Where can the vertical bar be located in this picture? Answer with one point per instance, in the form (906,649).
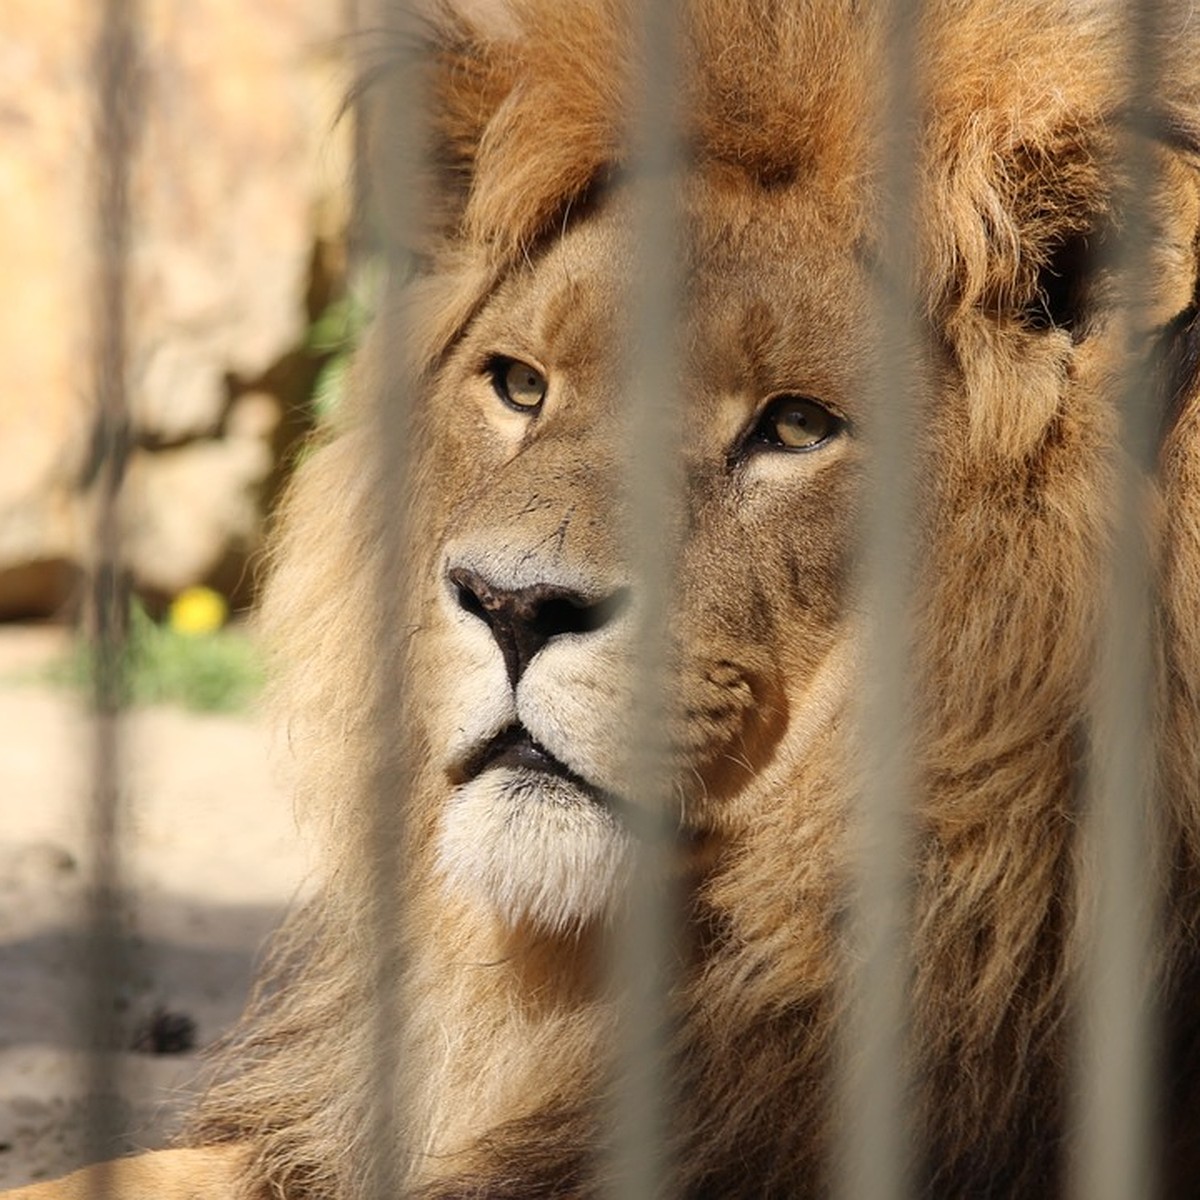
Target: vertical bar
(356,231)
(876,1152)
(116,96)
(644,953)
(1118,1043)
(396,184)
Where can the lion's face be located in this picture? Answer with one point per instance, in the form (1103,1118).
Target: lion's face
(532,610)
(516,619)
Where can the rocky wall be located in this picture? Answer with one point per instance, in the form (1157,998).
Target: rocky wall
(238,218)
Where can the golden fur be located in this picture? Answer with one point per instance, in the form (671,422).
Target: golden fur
(506,886)
(207,1173)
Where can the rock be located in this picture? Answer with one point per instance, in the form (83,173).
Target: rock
(254,415)
(42,862)
(192,507)
(235,188)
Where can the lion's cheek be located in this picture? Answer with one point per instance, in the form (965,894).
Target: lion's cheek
(577,703)
(471,703)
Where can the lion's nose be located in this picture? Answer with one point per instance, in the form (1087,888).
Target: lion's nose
(524,619)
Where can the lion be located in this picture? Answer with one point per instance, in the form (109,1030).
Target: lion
(519,610)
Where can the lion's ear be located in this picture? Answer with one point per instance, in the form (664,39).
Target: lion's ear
(471,74)
(1071,287)
(447,70)
(1179,350)
(1068,220)
(1045,264)
(1023,235)
(522,111)
(564,69)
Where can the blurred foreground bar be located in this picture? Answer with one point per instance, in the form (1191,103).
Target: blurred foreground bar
(397,110)
(876,1153)
(645,953)
(1117,1047)
(117,98)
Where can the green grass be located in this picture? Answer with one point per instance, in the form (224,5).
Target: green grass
(209,672)
(336,334)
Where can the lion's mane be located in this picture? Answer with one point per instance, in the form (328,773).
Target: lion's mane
(1021,103)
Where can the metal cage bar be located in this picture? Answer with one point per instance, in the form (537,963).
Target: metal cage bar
(117,99)
(875,1152)
(1118,1039)
(645,950)
(400,169)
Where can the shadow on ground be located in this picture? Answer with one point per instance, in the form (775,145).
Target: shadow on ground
(176,996)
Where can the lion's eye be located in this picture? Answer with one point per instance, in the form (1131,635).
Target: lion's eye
(518,384)
(796,423)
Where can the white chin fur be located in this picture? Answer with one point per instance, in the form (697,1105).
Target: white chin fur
(534,848)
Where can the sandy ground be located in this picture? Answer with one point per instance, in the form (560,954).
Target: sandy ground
(212,858)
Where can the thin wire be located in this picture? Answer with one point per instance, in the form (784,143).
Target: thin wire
(117,98)
(1118,1043)
(876,1143)
(645,953)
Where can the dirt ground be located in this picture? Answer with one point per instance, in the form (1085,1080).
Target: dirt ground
(212,858)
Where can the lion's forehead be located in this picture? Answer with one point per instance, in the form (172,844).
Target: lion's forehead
(775,297)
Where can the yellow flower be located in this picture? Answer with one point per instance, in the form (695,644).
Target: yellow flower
(197,610)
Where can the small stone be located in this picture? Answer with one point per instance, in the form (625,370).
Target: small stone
(165,1032)
(42,862)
